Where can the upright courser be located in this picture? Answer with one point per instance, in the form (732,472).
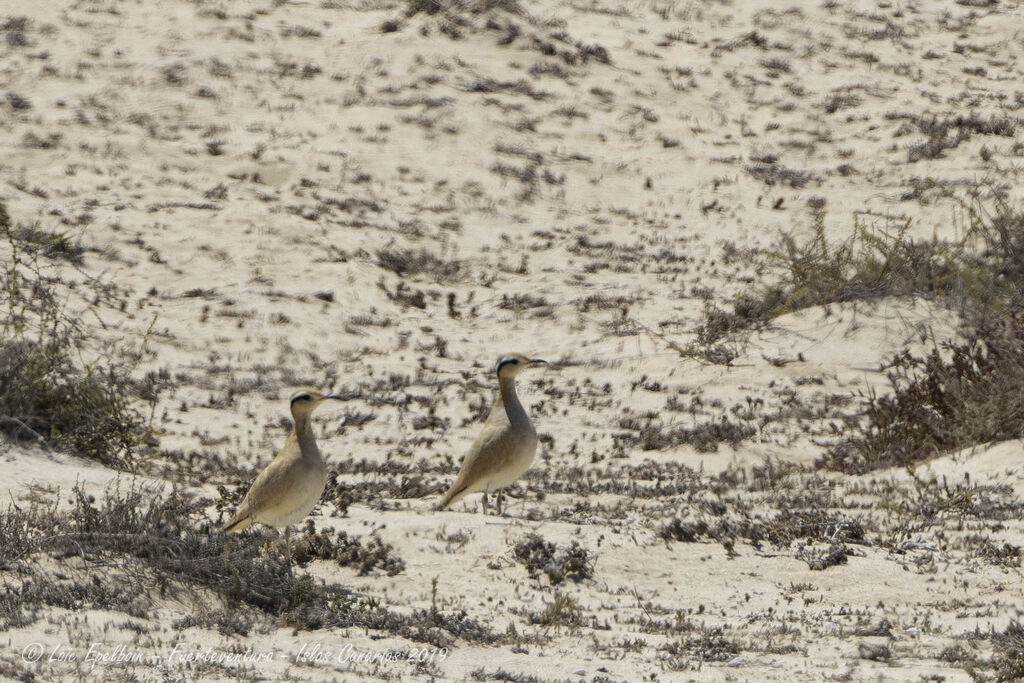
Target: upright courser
(506,445)
(291,485)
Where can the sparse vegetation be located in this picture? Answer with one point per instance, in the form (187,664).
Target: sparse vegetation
(49,392)
(404,262)
(947,132)
(869,265)
(346,551)
(978,276)
(653,434)
(1009,652)
(537,555)
(818,559)
(453,7)
(775,174)
(173,549)
(959,394)
(49,244)
(561,611)
(382,220)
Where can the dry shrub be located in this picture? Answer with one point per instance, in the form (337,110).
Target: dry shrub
(1009,652)
(459,7)
(403,262)
(347,551)
(949,131)
(537,555)
(175,549)
(958,395)
(978,275)
(704,436)
(48,393)
(870,265)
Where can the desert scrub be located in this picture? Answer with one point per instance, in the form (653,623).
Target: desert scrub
(707,644)
(54,245)
(537,555)
(561,611)
(870,265)
(48,394)
(1008,647)
(980,275)
(166,545)
(653,434)
(788,518)
(46,397)
(958,395)
(1000,234)
(454,8)
(347,551)
(1006,662)
(403,262)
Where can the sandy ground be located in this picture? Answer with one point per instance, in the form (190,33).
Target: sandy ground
(575,174)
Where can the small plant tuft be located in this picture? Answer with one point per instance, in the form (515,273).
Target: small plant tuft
(537,555)
(403,262)
(346,551)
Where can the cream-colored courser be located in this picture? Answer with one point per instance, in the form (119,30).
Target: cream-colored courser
(291,485)
(505,447)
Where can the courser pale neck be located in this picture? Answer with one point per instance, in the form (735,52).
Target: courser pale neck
(507,396)
(304,435)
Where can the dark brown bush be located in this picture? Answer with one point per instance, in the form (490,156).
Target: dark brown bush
(48,393)
(958,395)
